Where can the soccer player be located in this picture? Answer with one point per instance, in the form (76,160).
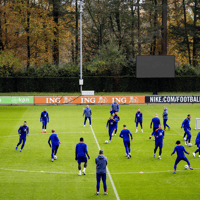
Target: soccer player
(54,145)
(101,163)
(44,118)
(110,125)
(126,134)
(159,136)
(165,118)
(88,114)
(179,149)
(197,142)
(138,119)
(156,122)
(23,132)
(187,128)
(116,119)
(114,107)
(80,155)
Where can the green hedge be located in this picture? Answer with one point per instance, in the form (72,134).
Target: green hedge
(99,84)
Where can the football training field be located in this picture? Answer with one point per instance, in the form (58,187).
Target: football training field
(32,175)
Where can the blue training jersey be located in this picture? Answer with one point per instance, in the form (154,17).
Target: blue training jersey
(116,118)
(81,150)
(54,139)
(156,122)
(44,116)
(138,117)
(180,151)
(87,112)
(115,107)
(198,138)
(110,123)
(186,124)
(125,134)
(159,135)
(165,114)
(23,130)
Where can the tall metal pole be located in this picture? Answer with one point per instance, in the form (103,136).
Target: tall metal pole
(81,60)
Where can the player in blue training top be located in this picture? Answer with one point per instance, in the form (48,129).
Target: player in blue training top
(116,119)
(44,118)
(159,136)
(110,125)
(197,142)
(126,134)
(114,107)
(179,149)
(165,118)
(80,155)
(156,122)
(88,114)
(187,128)
(138,119)
(23,132)
(55,144)
(101,163)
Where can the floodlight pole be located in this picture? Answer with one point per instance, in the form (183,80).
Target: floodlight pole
(81,60)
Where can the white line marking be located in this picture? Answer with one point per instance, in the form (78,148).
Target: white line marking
(44,134)
(115,173)
(113,185)
(18,119)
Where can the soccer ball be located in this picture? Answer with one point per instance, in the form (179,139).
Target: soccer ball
(190,144)
(106,142)
(55,157)
(186,167)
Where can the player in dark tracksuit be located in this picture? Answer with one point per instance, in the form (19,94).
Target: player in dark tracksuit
(114,107)
(126,134)
(116,119)
(197,142)
(101,163)
(156,122)
(187,128)
(44,118)
(54,144)
(165,118)
(179,149)
(88,114)
(138,119)
(110,125)
(80,155)
(159,136)
(23,132)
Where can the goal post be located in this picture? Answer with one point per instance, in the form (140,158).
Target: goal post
(197,126)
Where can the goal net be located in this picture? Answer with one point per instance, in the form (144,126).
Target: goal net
(197,123)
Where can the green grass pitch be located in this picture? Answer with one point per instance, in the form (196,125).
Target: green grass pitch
(32,175)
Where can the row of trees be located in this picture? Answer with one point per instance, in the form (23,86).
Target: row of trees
(114,31)
(36,31)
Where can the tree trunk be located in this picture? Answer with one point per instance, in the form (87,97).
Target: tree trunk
(28,36)
(1,32)
(139,43)
(56,5)
(76,32)
(164,27)
(72,45)
(186,33)
(155,28)
(195,35)
(117,15)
